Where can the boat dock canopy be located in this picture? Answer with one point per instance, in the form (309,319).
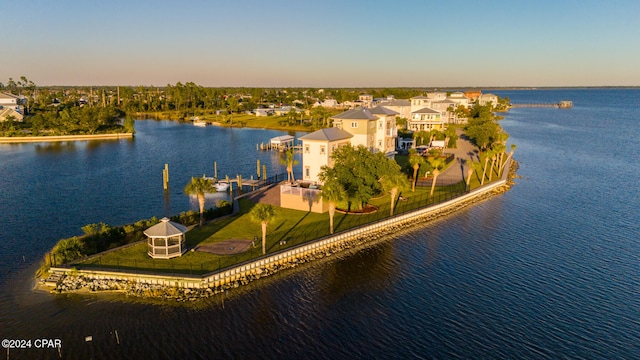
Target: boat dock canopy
(284,141)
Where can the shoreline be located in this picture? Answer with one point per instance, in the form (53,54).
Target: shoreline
(77,281)
(58,138)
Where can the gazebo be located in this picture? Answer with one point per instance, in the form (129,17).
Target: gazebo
(166,239)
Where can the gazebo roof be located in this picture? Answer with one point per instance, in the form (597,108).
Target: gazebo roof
(165,228)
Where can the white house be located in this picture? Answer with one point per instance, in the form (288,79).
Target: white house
(317,148)
(11,101)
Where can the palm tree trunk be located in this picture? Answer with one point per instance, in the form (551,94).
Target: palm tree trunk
(264,237)
(332,212)
(484,171)
(433,184)
(493,162)
(201,203)
(415,178)
(469,173)
(394,193)
(506,161)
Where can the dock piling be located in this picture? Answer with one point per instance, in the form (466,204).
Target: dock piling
(165,176)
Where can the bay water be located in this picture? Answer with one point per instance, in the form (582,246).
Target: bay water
(547,270)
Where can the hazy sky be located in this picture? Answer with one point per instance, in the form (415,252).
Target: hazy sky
(322,43)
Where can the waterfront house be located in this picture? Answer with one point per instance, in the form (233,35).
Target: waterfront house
(317,148)
(401,106)
(263,112)
(365,100)
(7,113)
(165,240)
(425,119)
(386,130)
(419,102)
(436,95)
(485,99)
(10,101)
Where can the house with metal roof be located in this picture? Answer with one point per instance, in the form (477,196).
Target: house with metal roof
(425,119)
(317,148)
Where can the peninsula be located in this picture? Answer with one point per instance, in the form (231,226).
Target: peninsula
(397,182)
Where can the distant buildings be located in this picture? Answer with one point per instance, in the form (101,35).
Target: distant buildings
(11,106)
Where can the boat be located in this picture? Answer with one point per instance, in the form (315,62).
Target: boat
(198,122)
(221,186)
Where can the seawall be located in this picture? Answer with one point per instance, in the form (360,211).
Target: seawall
(24,139)
(183,287)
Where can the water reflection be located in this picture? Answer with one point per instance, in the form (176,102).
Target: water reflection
(56,147)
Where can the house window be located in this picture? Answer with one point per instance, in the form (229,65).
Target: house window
(354,124)
(307,172)
(322,150)
(379,143)
(380,125)
(306,149)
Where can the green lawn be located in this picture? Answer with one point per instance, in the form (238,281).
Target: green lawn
(289,228)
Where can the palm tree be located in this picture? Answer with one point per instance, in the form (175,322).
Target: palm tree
(513,148)
(199,186)
(263,213)
(290,161)
(416,161)
(394,184)
(486,156)
(436,163)
(470,168)
(493,162)
(333,192)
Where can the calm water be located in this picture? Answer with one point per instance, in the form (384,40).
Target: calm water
(550,269)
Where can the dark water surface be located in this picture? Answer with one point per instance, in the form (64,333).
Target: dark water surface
(548,270)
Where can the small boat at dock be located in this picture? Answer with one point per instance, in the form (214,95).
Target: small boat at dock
(221,186)
(197,122)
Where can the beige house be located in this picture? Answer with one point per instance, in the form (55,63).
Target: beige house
(386,130)
(485,99)
(401,106)
(360,123)
(419,102)
(6,113)
(437,95)
(426,119)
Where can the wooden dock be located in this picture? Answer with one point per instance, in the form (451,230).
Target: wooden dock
(564,104)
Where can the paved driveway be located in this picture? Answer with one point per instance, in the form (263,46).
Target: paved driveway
(464,152)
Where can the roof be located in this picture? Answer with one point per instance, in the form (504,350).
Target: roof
(4,95)
(165,228)
(399,102)
(419,97)
(356,114)
(6,112)
(381,110)
(328,134)
(281,139)
(426,111)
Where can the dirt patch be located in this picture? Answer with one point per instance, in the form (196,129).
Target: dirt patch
(368,209)
(226,247)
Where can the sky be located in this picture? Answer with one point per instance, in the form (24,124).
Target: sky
(281,43)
